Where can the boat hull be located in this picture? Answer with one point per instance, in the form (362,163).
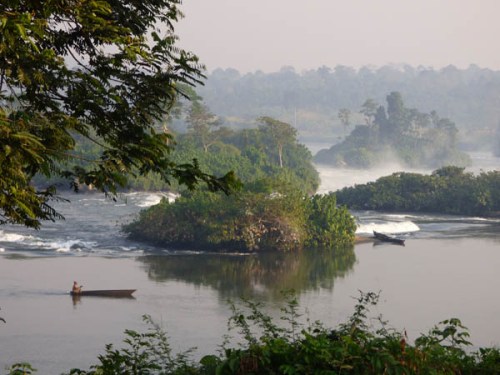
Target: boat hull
(386,238)
(117,293)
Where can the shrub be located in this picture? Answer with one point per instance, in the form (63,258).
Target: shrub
(303,347)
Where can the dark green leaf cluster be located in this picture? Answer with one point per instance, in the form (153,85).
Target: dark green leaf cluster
(102,70)
(354,347)
(448,190)
(265,216)
(293,347)
(22,368)
(145,353)
(271,149)
(271,214)
(268,151)
(400,134)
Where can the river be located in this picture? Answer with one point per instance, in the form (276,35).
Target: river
(448,268)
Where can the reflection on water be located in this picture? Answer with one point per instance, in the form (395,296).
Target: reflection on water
(77,299)
(263,275)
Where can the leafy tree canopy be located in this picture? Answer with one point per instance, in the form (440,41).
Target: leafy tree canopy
(448,190)
(280,132)
(104,70)
(252,220)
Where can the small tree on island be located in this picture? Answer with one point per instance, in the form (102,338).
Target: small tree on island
(203,125)
(280,133)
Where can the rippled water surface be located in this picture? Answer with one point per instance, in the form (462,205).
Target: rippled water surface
(448,268)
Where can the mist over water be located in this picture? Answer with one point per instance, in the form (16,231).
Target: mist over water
(333,179)
(408,225)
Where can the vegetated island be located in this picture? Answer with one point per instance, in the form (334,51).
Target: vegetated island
(274,211)
(448,190)
(413,138)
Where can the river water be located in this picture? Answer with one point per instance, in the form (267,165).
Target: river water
(448,268)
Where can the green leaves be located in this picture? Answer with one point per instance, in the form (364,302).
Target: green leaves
(447,190)
(283,219)
(265,347)
(352,348)
(22,368)
(89,68)
(329,225)
(144,353)
(280,133)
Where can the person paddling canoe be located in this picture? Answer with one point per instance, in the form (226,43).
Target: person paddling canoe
(77,289)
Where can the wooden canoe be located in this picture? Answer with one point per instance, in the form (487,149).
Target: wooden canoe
(105,293)
(386,238)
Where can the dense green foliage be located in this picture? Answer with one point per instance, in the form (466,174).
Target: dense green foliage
(447,190)
(294,347)
(265,216)
(400,134)
(100,70)
(274,212)
(270,150)
(312,99)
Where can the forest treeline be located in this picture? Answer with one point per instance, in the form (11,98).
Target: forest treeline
(310,100)
(448,190)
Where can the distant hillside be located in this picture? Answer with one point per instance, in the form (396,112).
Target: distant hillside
(311,100)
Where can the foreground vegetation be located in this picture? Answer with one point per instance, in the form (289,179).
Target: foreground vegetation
(448,190)
(292,347)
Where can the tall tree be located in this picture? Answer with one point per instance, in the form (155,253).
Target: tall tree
(344,116)
(281,134)
(204,125)
(105,70)
(380,118)
(397,117)
(395,107)
(369,110)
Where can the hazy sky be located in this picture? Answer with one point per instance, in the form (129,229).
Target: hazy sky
(267,34)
